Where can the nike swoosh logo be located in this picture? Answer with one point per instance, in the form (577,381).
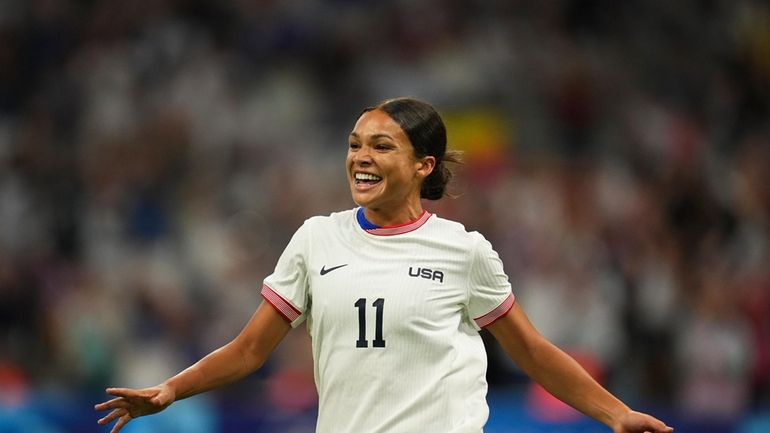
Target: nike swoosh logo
(325,271)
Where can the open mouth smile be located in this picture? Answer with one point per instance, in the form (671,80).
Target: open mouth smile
(366,180)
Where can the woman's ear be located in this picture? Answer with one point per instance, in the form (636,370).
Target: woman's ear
(426,166)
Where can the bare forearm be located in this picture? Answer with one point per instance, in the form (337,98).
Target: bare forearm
(556,371)
(240,357)
(221,367)
(563,377)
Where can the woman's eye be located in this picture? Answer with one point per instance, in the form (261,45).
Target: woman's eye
(354,145)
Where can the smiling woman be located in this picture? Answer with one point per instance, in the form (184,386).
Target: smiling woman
(393,298)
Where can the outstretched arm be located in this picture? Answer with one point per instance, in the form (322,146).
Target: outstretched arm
(563,377)
(238,358)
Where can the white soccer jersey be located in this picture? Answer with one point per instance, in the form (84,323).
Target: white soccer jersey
(393,314)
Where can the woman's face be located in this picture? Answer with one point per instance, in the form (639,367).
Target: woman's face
(383,172)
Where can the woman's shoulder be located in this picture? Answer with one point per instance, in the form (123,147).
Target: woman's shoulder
(455,229)
(332,219)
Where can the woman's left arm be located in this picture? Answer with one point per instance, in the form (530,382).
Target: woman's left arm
(563,377)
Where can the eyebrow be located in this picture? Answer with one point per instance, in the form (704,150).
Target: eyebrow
(374,136)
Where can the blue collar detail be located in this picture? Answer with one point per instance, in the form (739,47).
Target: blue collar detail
(363,222)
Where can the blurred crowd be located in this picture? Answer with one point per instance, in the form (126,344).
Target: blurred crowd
(156,156)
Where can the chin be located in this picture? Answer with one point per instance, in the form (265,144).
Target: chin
(361,201)
(357,199)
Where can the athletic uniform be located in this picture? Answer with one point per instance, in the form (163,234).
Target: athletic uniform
(393,314)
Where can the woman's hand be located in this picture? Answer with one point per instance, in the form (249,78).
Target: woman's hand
(637,422)
(133,403)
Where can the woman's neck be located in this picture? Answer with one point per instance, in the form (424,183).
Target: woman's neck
(386,218)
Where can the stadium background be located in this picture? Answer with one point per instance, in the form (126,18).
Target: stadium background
(156,155)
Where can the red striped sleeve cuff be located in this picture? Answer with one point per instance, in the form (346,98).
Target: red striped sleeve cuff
(284,308)
(499,311)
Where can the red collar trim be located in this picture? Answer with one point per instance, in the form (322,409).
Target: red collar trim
(401,228)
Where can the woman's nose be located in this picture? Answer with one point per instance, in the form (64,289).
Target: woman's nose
(362,156)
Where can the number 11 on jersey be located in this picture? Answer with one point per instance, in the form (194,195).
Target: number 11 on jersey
(379,305)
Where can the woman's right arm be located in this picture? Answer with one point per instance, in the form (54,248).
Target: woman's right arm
(233,361)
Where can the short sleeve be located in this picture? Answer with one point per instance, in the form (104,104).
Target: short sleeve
(286,289)
(489,292)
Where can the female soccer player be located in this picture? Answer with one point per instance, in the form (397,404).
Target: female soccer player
(393,298)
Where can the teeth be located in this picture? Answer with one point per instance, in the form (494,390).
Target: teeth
(367,176)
